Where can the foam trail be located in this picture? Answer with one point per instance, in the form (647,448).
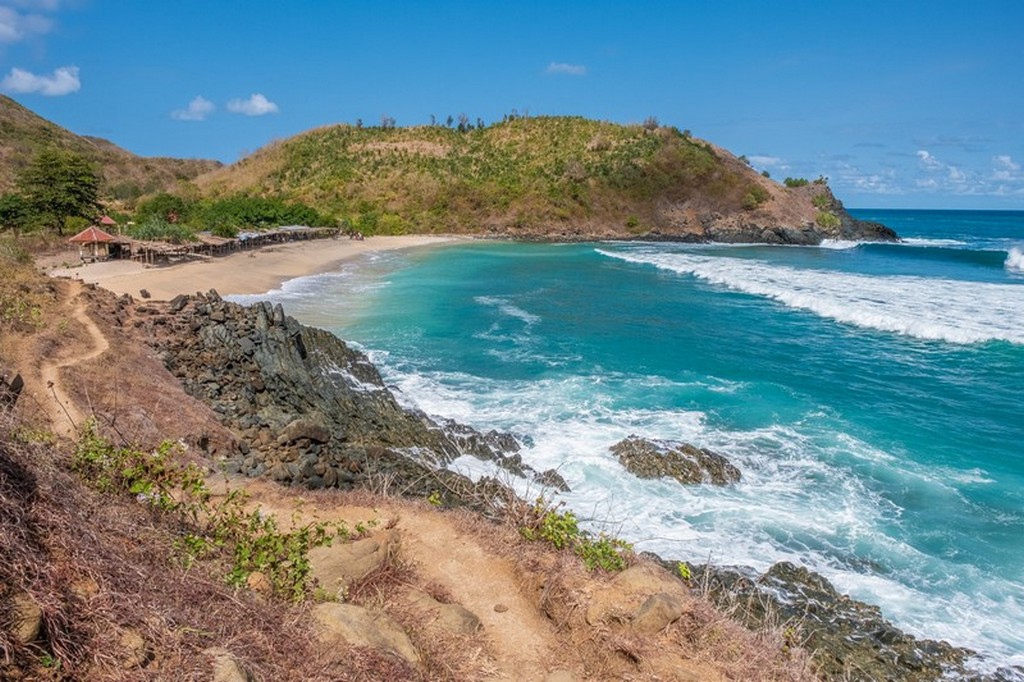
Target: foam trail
(922,241)
(955,311)
(508,309)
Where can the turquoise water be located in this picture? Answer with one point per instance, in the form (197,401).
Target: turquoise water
(871,395)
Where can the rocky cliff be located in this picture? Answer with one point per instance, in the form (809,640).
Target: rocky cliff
(309,409)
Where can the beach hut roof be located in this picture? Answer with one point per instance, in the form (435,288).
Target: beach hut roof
(92,234)
(107,220)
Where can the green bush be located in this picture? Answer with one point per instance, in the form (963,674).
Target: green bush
(756,196)
(795,182)
(562,530)
(251,541)
(821,201)
(158,229)
(827,220)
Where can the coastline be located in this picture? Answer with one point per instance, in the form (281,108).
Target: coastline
(244,272)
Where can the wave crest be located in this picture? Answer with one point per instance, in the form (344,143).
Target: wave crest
(954,311)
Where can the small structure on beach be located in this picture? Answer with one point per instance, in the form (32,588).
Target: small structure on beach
(93,237)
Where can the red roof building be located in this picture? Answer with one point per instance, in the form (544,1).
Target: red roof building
(94,236)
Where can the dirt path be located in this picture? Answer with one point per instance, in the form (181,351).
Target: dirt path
(65,416)
(522,641)
(521,638)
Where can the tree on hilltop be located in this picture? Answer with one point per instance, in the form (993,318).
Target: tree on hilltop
(58,185)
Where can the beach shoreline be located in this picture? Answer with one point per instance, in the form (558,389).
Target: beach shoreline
(244,272)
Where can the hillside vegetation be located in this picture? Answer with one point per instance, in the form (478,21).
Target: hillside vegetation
(125,176)
(545,177)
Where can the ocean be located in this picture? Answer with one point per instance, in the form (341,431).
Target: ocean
(871,395)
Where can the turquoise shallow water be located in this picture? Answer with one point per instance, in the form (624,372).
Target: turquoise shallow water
(871,395)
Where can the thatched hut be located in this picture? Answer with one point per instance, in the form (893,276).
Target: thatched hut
(96,239)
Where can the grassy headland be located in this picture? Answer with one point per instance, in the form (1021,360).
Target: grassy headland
(545,177)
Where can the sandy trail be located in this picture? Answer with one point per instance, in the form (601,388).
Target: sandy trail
(65,416)
(521,638)
(522,641)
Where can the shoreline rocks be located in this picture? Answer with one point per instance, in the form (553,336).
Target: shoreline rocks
(648,458)
(309,409)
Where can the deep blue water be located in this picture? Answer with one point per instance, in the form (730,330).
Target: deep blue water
(871,395)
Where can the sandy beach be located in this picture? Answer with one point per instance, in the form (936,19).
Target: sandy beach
(245,272)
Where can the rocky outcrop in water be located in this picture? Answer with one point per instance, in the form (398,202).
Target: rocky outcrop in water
(308,408)
(648,458)
(851,640)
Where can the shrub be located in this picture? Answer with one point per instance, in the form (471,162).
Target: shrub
(756,196)
(252,541)
(562,530)
(158,229)
(821,201)
(795,182)
(827,220)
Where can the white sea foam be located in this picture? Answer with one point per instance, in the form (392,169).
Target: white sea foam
(838,244)
(1015,260)
(955,311)
(922,241)
(505,307)
(805,495)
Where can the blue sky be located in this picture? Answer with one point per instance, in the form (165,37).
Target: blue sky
(900,103)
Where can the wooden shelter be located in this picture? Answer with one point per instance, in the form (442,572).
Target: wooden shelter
(93,237)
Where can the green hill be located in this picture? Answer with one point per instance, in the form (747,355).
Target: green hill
(545,177)
(125,176)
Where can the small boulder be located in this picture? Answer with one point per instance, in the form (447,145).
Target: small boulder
(27,619)
(338,566)
(134,651)
(304,428)
(227,668)
(357,626)
(658,612)
(620,600)
(647,458)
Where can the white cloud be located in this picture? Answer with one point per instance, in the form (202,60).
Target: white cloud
(929,161)
(63,81)
(197,110)
(256,105)
(15,26)
(957,178)
(563,69)
(1005,168)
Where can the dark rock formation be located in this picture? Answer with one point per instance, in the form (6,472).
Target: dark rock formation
(308,408)
(647,458)
(850,639)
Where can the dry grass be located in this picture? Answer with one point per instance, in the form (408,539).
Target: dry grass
(100,567)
